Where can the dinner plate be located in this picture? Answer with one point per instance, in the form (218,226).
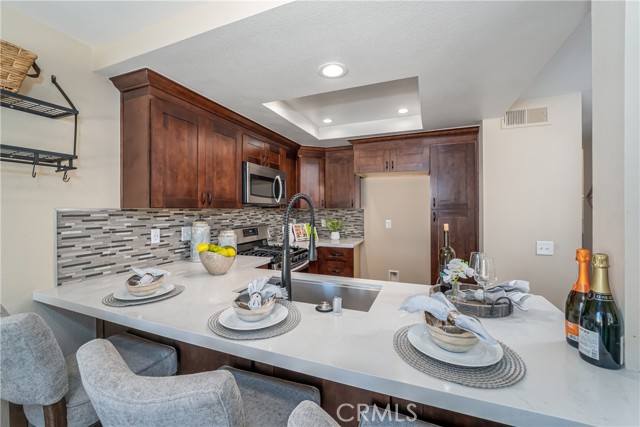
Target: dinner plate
(480,355)
(229,319)
(124,295)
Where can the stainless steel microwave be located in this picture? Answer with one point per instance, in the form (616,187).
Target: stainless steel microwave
(263,186)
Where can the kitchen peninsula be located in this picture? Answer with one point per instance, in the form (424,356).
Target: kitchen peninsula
(356,348)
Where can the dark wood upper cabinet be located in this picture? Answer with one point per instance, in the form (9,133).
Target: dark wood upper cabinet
(289,166)
(255,150)
(397,156)
(175,138)
(341,184)
(311,175)
(220,180)
(454,182)
(180,149)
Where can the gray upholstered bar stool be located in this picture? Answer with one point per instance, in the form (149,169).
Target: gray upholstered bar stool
(35,374)
(214,398)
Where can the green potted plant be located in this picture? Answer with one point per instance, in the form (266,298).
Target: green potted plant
(334,225)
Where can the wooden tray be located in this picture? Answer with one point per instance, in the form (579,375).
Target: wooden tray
(479,308)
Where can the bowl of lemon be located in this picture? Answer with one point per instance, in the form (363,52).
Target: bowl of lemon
(217,260)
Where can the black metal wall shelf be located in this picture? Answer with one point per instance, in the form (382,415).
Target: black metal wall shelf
(63,162)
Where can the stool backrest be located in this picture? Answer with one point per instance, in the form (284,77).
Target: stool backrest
(121,397)
(32,367)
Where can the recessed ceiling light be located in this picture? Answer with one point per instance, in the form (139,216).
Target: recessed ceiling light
(403,111)
(332,70)
(327,121)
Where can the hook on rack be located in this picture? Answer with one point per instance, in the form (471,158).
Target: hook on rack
(65,177)
(33,171)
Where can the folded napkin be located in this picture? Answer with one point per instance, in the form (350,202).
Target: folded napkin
(148,275)
(439,306)
(516,290)
(259,290)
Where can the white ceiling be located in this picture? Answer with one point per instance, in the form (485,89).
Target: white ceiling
(472,60)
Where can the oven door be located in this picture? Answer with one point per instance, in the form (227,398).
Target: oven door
(263,186)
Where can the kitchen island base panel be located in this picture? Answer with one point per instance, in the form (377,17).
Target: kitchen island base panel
(335,396)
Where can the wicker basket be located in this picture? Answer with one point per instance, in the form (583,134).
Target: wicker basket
(16,62)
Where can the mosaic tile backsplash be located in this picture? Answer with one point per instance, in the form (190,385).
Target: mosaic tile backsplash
(93,243)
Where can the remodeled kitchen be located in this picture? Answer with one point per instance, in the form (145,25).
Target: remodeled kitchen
(380,222)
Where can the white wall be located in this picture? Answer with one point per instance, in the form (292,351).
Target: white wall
(532,188)
(27,204)
(616,204)
(406,246)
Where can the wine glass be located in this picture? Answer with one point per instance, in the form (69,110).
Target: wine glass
(485,273)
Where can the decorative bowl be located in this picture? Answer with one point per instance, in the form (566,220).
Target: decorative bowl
(216,264)
(448,336)
(140,290)
(241,307)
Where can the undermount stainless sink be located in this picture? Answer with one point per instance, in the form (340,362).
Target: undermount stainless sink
(354,297)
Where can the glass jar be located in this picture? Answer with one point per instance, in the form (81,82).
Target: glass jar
(200,233)
(228,238)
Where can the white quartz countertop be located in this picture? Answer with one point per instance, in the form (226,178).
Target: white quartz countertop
(356,348)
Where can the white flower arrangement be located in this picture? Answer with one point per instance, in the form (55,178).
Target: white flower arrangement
(456,269)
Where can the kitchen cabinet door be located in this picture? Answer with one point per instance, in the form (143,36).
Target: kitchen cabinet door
(454,174)
(463,234)
(311,170)
(260,152)
(289,166)
(340,180)
(219,182)
(175,135)
(396,156)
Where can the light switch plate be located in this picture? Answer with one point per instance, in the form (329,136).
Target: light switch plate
(387,223)
(155,235)
(544,247)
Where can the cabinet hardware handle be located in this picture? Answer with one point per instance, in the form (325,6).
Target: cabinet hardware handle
(434,217)
(386,165)
(336,271)
(434,202)
(351,202)
(392,165)
(209,196)
(204,197)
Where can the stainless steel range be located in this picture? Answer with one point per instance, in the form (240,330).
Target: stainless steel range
(253,241)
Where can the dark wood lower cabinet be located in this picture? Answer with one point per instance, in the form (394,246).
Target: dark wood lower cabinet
(337,399)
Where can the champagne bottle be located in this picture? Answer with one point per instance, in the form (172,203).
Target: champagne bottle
(445,255)
(576,298)
(601,332)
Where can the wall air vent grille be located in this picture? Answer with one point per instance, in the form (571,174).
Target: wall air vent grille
(525,117)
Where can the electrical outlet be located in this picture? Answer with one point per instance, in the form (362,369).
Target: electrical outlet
(387,223)
(155,235)
(544,248)
(394,275)
(323,222)
(186,234)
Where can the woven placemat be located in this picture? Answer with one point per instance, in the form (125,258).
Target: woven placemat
(112,301)
(290,322)
(508,371)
